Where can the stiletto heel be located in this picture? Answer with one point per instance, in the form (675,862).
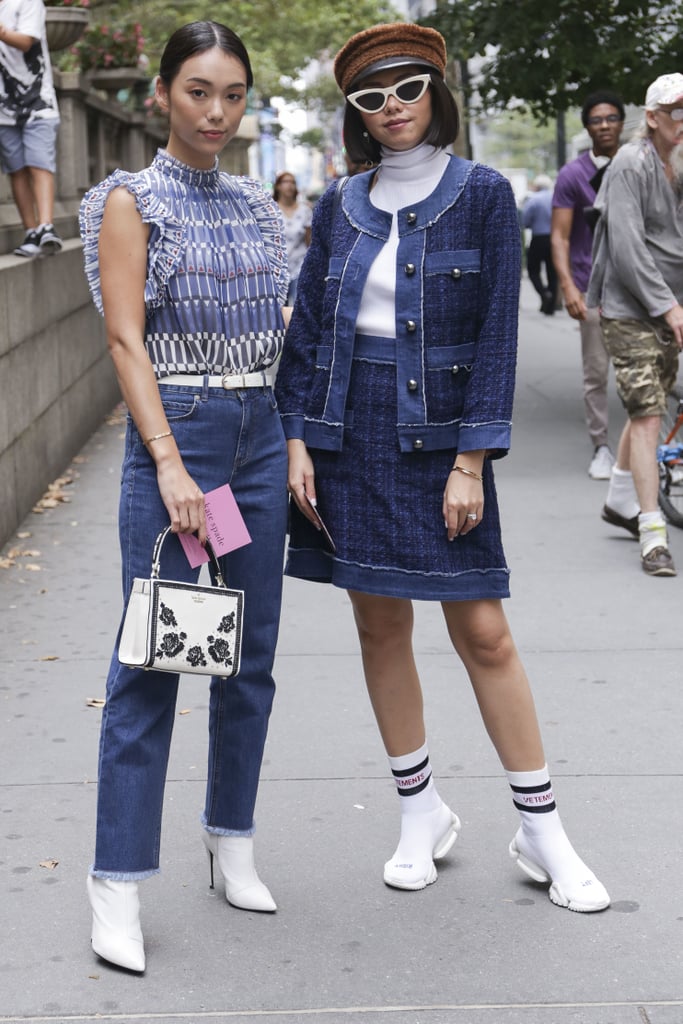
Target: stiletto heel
(210,856)
(234,856)
(116,933)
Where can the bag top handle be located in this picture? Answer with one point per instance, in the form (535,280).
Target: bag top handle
(156,558)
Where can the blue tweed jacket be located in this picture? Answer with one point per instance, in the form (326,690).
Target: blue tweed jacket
(457,294)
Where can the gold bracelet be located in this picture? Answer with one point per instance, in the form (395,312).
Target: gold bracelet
(157,437)
(467,472)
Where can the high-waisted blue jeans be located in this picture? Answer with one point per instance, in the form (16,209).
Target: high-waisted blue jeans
(224,437)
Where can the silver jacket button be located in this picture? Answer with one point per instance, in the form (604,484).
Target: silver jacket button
(411,218)
(456,273)
(417,444)
(412,385)
(411,326)
(409,269)
(454,369)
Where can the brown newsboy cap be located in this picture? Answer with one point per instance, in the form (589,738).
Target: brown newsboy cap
(388,46)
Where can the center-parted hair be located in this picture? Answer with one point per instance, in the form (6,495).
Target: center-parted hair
(198,37)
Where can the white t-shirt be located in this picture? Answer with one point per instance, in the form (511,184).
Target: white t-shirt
(26,89)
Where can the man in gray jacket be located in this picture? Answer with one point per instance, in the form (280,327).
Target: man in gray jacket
(637,280)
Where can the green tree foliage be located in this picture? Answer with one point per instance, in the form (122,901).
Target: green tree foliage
(281,37)
(512,138)
(549,54)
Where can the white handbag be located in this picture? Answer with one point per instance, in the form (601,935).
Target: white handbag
(172,626)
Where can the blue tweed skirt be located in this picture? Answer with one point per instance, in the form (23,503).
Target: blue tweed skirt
(383,510)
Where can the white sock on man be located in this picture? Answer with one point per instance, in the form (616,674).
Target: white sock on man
(621,493)
(652,531)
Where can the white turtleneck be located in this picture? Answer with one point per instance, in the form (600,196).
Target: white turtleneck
(402,179)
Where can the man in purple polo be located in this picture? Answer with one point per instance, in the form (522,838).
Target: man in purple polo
(572,242)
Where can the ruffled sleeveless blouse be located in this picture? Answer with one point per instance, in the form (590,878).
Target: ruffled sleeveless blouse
(216,268)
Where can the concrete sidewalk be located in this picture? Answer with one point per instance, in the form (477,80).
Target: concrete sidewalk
(601,642)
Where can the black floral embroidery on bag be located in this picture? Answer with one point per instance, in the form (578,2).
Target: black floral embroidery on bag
(195,657)
(227,623)
(166,616)
(220,650)
(171,645)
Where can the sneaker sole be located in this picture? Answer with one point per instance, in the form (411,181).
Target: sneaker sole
(662,571)
(537,874)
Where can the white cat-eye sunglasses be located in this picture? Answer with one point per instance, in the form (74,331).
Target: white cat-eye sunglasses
(371,101)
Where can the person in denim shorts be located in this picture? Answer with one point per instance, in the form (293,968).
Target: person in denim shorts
(29,121)
(637,281)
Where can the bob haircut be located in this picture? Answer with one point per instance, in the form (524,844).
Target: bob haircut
(198,37)
(278,182)
(443,129)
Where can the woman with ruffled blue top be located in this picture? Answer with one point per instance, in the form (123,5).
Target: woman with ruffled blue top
(189,267)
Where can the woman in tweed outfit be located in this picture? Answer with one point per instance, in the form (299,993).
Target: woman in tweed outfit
(395,390)
(188,265)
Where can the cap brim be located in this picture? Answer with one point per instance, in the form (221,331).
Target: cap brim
(390,62)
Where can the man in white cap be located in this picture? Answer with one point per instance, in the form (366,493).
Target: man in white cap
(637,280)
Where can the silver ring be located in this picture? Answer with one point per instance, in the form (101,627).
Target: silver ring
(471,515)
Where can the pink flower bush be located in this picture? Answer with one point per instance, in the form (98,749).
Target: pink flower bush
(104,46)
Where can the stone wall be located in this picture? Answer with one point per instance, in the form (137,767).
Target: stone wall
(57,381)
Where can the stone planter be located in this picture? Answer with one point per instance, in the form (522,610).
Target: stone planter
(64,26)
(111,80)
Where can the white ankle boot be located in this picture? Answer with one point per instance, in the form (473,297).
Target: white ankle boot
(424,838)
(116,932)
(235,858)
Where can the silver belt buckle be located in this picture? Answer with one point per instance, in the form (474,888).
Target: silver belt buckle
(232,380)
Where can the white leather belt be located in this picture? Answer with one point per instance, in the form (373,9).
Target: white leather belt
(229,381)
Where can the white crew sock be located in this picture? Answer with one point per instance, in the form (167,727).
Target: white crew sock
(621,494)
(543,839)
(652,531)
(413,777)
(428,827)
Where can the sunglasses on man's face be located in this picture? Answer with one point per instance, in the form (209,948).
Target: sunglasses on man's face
(371,101)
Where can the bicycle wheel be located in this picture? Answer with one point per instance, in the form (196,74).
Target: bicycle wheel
(670,459)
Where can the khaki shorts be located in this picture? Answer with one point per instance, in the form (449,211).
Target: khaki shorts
(645,359)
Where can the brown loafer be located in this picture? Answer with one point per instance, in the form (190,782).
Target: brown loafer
(658,562)
(615,519)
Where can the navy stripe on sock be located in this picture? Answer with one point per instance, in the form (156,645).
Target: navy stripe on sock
(531,789)
(403,772)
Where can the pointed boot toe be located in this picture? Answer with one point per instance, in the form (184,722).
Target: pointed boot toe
(234,856)
(116,933)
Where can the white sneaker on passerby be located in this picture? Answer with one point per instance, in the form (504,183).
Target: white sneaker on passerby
(601,463)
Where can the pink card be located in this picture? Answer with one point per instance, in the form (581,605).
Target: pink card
(225,527)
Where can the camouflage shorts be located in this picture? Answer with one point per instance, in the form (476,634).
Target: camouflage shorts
(645,359)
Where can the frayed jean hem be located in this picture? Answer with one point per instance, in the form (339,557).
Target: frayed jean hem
(213,830)
(123,876)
